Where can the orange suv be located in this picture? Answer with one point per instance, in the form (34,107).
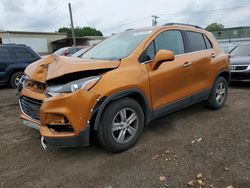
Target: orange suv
(122,84)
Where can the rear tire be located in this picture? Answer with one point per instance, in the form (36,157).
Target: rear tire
(218,95)
(14,79)
(121,125)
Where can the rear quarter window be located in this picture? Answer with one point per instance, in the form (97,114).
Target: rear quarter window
(23,53)
(5,53)
(196,41)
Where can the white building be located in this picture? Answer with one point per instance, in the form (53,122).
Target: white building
(45,42)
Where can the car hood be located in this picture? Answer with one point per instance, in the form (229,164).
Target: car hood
(240,60)
(54,66)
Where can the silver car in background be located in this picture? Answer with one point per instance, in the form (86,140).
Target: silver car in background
(240,63)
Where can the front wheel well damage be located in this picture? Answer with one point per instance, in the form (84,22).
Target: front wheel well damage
(142,102)
(224,74)
(105,101)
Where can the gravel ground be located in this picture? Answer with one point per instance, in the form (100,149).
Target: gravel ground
(173,151)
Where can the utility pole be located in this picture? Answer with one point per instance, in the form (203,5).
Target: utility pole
(72,26)
(154,20)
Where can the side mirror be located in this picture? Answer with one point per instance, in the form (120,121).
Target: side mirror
(162,56)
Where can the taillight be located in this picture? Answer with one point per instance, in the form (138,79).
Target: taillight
(66,53)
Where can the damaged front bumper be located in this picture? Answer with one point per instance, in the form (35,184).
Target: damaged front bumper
(80,140)
(31,125)
(64,120)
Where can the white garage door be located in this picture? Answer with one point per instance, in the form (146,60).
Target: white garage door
(37,44)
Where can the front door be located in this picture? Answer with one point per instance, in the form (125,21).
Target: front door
(171,82)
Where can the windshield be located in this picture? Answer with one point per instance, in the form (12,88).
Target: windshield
(241,50)
(117,46)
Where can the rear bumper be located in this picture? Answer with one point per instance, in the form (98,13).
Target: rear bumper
(3,82)
(240,76)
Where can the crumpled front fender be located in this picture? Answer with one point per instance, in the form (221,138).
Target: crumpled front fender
(76,107)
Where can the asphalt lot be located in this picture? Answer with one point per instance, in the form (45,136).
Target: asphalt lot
(215,145)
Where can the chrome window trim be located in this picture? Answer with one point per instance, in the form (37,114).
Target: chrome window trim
(188,53)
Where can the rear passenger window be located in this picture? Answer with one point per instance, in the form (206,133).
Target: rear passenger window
(22,53)
(196,41)
(4,53)
(208,43)
(170,40)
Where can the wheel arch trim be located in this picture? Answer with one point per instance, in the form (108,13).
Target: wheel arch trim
(146,108)
(224,71)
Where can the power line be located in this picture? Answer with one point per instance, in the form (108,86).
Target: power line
(127,23)
(212,11)
(206,11)
(239,21)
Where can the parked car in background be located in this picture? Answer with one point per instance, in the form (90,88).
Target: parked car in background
(122,84)
(14,58)
(227,49)
(240,63)
(81,52)
(68,51)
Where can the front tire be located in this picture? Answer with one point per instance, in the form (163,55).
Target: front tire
(121,125)
(14,79)
(218,94)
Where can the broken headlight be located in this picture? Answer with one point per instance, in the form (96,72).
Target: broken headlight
(22,83)
(85,84)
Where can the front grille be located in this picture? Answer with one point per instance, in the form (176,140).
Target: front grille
(240,76)
(30,107)
(239,68)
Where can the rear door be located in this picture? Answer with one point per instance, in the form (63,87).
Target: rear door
(200,54)
(23,56)
(7,60)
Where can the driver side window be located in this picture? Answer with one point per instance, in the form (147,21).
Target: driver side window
(168,40)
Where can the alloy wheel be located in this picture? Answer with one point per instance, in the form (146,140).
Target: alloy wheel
(18,79)
(220,92)
(124,125)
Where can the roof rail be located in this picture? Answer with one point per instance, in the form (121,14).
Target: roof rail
(129,29)
(167,24)
(14,44)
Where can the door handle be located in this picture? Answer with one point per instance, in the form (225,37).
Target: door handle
(213,55)
(187,64)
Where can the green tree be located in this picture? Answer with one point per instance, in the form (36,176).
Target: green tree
(214,27)
(81,31)
(64,30)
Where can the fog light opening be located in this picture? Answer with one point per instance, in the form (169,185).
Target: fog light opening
(61,128)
